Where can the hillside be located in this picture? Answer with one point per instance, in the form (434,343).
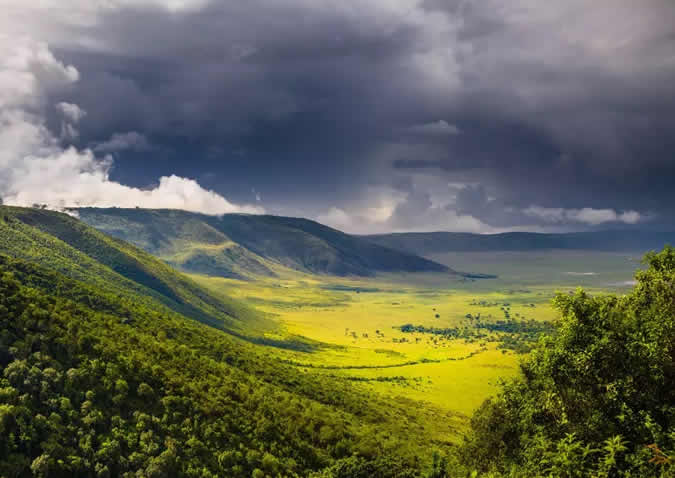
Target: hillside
(66,245)
(425,243)
(239,245)
(94,382)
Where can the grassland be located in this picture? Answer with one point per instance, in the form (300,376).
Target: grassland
(357,320)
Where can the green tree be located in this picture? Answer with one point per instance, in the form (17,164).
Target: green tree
(596,393)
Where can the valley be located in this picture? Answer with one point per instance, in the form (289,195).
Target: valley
(311,283)
(358,320)
(320,354)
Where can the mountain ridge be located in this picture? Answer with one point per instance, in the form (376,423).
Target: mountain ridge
(424,243)
(242,245)
(66,245)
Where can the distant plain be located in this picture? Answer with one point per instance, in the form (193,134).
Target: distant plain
(356,321)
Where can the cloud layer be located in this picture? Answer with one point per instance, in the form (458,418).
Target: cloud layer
(376,114)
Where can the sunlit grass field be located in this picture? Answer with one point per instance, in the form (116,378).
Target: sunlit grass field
(355,321)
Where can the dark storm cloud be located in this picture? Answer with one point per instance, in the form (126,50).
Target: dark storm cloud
(567,106)
(303,99)
(227,68)
(573,120)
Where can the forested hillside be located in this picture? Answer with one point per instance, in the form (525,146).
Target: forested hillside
(101,376)
(65,244)
(92,384)
(240,245)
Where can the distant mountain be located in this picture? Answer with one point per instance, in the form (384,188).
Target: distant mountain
(424,243)
(241,245)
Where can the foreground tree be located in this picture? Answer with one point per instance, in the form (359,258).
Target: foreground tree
(595,399)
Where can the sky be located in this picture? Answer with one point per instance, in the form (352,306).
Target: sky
(370,116)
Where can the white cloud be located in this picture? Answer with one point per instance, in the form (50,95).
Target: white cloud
(123,141)
(69,132)
(592,216)
(437,128)
(71,112)
(550,214)
(630,217)
(28,72)
(389,210)
(35,168)
(171,5)
(434,219)
(585,215)
(337,218)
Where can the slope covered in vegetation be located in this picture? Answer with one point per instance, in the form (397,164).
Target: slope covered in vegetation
(239,245)
(93,384)
(104,376)
(67,245)
(103,373)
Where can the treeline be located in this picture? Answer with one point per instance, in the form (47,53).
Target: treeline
(505,326)
(103,380)
(518,335)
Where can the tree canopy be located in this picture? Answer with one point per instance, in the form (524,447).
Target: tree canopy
(598,397)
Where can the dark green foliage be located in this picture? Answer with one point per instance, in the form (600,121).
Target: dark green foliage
(355,467)
(101,375)
(84,392)
(519,336)
(598,398)
(299,244)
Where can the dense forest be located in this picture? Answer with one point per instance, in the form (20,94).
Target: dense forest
(132,371)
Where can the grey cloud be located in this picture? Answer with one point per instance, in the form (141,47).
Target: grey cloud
(123,141)
(567,105)
(586,215)
(476,201)
(435,128)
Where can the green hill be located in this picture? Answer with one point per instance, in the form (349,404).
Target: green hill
(66,245)
(239,245)
(425,243)
(103,376)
